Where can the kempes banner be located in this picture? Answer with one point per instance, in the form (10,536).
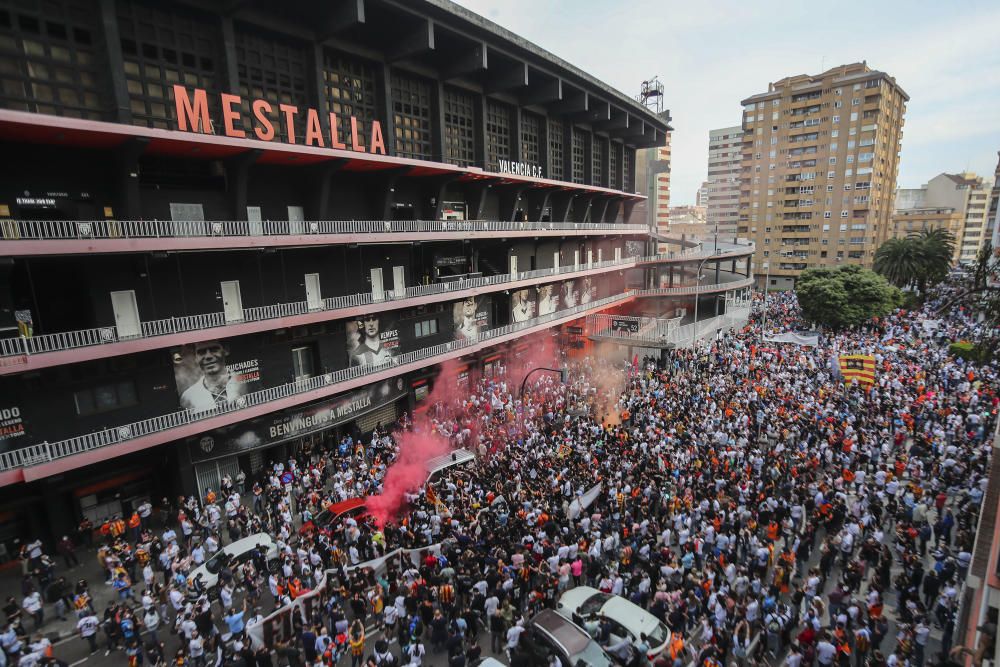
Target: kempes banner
(373,339)
(522,305)
(268,431)
(471,316)
(208,374)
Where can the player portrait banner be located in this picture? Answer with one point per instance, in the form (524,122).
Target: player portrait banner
(548,298)
(522,305)
(372,340)
(211,373)
(471,316)
(860,367)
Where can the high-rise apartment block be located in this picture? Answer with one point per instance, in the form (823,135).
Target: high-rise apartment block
(993,214)
(956,202)
(701,197)
(819,164)
(725,148)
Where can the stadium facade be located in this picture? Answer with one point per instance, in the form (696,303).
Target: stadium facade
(228,232)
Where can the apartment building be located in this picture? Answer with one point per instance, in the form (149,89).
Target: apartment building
(229,235)
(818,170)
(966,194)
(725,151)
(927,218)
(701,197)
(689,222)
(993,214)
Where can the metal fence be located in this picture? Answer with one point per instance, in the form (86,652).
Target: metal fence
(16,230)
(44,452)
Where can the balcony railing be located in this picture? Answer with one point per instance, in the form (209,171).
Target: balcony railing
(17,230)
(695,289)
(43,452)
(16,350)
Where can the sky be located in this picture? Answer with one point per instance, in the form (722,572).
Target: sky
(709,56)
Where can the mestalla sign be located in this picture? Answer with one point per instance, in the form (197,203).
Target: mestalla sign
(298,125)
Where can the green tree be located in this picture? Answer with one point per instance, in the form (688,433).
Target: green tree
(845,296)
(919,261)
(979,290)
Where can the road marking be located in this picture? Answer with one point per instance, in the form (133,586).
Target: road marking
(74,664)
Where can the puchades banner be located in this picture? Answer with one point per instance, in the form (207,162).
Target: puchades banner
(278,626)
(212,373)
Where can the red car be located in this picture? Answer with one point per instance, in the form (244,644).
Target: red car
(334,511)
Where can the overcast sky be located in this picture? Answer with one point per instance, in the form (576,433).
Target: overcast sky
(709,56)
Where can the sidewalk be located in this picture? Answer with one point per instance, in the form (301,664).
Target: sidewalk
(53,628)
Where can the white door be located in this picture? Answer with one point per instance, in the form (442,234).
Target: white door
(378,292)
(314,298)
(126,314)
(576,259)
(398,282)
(555,259)
(232,302)
(590,257)
(209,475)
(255,221)
(513,264)
(296,220)
(600,255)
(618,254)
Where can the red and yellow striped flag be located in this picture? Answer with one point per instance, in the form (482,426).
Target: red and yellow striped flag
(860,367)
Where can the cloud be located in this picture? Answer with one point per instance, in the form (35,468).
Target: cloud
(709,57)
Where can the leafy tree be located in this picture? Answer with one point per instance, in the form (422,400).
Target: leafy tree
(979,289)
(845,296)
(920,260)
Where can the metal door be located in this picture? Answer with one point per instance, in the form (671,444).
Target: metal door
(513,264)
(209,475)
(398,282)
(126,314)
(232,302)
(314,298)
(296,220)
(378,292)
(254,220)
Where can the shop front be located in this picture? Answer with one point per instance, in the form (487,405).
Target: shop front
(255,444)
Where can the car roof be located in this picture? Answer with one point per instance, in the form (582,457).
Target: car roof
(346,505)
(445,461)
(571,638)
(576,596)
(248,543)
(633,617)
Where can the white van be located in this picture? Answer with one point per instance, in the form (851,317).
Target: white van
(239,551)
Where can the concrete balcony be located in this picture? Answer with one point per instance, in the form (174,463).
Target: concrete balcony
(68,237)
(42,351)
(51,458)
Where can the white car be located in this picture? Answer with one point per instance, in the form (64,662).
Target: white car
(239,551)
(586,606)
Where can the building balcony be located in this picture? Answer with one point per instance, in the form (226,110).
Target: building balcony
(66,237)
(42,351)
(45,459)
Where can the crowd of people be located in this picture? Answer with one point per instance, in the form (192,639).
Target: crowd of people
(756,504)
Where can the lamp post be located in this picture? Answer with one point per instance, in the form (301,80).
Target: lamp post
(698,276)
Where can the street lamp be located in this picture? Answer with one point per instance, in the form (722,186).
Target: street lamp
(698,277)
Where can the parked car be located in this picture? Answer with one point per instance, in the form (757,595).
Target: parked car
(233,554)
(584,605)
(549,634)
(331,513)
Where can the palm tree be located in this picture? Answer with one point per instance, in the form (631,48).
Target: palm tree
(937,247)
(920,260)
(899,260)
